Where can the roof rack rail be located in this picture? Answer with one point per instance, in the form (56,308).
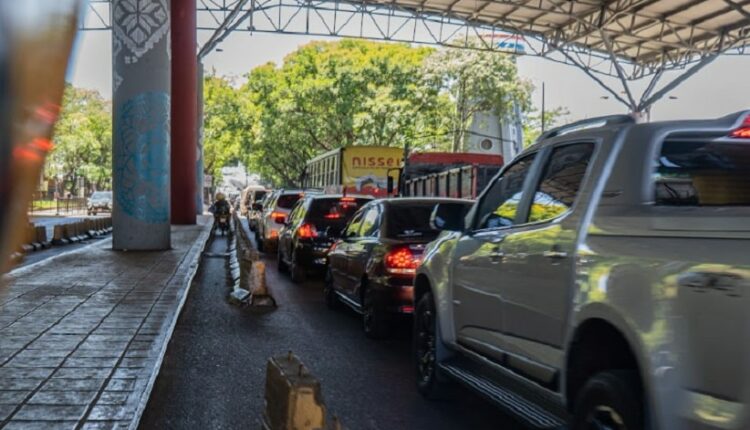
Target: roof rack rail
(601,121)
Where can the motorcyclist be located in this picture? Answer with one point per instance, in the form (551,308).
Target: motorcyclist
(219,207)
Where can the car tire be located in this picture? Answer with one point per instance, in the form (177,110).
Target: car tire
(280,264)
(296,271)
(611,399)
(429,351)
(375,322)
(329,292)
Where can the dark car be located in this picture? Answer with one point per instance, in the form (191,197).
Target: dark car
(371,269)
(314,224)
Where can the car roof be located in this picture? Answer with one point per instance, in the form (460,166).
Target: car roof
(316,196)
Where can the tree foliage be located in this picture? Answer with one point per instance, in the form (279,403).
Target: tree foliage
(327,95)
(82,140)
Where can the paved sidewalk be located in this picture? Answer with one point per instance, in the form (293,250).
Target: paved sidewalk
(82,334)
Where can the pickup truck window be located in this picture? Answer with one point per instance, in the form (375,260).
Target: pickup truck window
(499,206)
(703,173)
(560,182)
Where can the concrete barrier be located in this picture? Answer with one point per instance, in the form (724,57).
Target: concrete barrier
(40,233)
(58,235)
(293,398)
(251,287)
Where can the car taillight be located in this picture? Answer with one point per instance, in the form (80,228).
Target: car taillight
(401,261)
(278,217)
(332,216)
(307,231)
(744,131)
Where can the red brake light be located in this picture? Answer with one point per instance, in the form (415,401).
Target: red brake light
(332,216)
(744,131)
(307,231)
(347,199)
(401,261)
(278,217)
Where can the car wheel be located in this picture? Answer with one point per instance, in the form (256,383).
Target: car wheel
(374,321)
(428,350)
(610,400)
(297,272)
(280,264)
(332,301)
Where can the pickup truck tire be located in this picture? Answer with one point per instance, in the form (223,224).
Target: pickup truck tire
(610,400)
(429,350)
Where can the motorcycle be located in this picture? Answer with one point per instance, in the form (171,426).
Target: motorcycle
(222,223)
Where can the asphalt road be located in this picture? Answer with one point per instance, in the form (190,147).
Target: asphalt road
(214,371)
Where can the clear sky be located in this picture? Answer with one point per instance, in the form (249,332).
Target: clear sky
(720,88)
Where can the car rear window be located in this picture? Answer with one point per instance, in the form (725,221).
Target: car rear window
(413,220)
(703,173)
(258,195)
(335,210)
(286,201)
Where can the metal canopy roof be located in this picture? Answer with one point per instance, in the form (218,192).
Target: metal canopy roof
(627,39)
(646,32)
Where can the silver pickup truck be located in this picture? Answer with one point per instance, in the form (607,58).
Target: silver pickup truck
(601,280)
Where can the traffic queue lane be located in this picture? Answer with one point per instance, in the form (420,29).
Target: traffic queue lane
(214,373)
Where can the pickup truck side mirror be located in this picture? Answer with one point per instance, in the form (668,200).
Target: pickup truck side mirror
(448,217)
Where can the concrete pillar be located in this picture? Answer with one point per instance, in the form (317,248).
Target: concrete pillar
(199,164)
(184,111)
(141,112)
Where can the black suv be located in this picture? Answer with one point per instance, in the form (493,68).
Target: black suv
(313,225)
(372,268)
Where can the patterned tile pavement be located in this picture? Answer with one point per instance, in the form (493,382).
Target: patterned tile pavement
(82,334)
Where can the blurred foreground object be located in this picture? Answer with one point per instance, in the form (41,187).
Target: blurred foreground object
(36,38)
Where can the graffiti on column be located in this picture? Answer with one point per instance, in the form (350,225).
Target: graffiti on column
(142,170)
(139,25)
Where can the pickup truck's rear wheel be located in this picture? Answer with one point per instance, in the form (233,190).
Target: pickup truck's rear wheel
(611,400)
(428,350)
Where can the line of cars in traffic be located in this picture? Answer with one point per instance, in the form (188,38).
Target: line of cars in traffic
(598,282)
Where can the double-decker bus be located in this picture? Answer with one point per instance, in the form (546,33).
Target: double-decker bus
(355,170)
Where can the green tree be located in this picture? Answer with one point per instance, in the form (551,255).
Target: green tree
(227,125)
(332,94)
(82,140)
(477,81)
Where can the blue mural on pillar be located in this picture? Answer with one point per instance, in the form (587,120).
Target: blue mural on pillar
(141,157)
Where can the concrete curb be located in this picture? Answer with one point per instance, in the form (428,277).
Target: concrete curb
(200,245)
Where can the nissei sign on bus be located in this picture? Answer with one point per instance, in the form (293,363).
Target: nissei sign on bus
(366,168)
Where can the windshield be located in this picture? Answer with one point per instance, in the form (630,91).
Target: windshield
(102,195)
(413,220)
(703,173)
(258,196)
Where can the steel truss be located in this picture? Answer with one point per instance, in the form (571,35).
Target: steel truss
(603,40)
